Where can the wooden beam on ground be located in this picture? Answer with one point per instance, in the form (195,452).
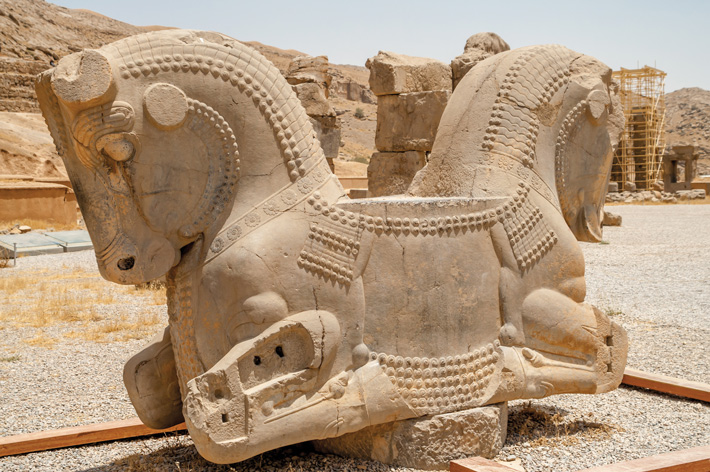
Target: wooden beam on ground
(78,435)
(696,459)
(478,464)
(665,384)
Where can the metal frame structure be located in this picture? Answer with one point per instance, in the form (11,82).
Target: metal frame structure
(639,155)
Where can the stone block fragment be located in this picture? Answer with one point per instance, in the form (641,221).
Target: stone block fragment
(630,186)
(352,90)
(328,132)
(309,69)
(357,193)
(611,219)
(408,122)
(429,442)
(390,173)
(478,47)
(613,187)
(392,73)
(313,99)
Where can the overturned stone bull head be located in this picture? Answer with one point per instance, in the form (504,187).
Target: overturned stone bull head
(297,314)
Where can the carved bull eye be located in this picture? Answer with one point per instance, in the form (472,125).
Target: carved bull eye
(117,146)
(165,106)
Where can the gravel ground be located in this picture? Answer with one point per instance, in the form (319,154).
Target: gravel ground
(651,275)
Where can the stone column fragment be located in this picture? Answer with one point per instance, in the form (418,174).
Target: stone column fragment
(408,122)
(412,94)
(310,80)
(390,173)
(392,74)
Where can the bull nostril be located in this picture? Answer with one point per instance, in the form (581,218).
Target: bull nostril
(126,263)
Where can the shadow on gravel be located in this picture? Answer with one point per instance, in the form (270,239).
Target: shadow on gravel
(177,453)
(542,425)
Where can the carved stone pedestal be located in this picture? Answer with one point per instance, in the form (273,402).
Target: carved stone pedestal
(429,442)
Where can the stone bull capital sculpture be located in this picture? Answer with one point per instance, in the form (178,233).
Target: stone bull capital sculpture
(394,328)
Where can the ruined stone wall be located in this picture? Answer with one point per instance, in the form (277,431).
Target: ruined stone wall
(38,201)
(17,79)
(311,80)
(412,93)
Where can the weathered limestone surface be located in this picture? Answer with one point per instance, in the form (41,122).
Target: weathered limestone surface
(36,200)
(478,47)
(408,122)
(309,69)
(328,132)
(429,442)
(310,80)
(392,73)
(354,91)
(313,99)
(298,314)
(611,219)
(413,93)
(390,173)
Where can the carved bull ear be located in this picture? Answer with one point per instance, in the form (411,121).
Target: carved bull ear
(598,101)
(84,79)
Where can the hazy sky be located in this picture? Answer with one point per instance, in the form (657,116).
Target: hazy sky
(673,35)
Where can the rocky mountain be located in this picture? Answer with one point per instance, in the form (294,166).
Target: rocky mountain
(688,122)
(34,34)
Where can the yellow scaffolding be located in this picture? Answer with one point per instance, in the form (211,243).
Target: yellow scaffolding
(639,155)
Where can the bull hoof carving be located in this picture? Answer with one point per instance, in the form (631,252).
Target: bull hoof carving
(369,326)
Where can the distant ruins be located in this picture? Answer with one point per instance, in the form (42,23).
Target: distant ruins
(311,81)
(371,326)
(679,168)
(637,161)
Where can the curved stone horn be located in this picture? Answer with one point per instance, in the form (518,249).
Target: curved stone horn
(83,78)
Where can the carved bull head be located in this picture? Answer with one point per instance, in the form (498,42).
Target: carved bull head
(140,203)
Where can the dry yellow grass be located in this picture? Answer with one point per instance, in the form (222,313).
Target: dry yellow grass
(154,292)
(39,224)
(53,299)
(41,341)
(120,329)
(544,426)
(40,299)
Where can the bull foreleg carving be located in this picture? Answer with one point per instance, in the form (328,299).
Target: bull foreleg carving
(152,383)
